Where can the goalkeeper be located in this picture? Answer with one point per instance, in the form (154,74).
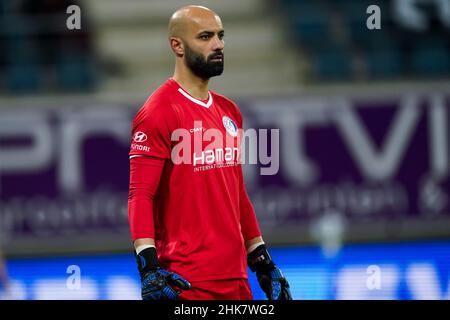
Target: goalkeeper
(193,227)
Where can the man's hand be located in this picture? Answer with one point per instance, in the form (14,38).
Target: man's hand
(156,283)
(269,276)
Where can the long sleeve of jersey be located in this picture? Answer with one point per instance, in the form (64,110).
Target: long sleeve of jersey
(249,224)
(145,174)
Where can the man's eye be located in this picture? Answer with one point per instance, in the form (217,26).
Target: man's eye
(204,37)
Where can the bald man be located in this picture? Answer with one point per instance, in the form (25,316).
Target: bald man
(193,226)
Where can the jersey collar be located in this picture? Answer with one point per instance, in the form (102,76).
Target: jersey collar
(199,102)
(195,100)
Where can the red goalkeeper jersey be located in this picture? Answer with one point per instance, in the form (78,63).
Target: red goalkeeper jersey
(200,215)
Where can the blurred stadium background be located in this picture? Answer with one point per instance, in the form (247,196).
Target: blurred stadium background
(360,206)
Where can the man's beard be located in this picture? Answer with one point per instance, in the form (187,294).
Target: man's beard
(201,67)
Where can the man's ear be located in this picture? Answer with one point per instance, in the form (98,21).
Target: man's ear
(177,46)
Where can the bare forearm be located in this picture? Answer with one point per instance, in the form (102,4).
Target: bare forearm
(143,243)
(250,243)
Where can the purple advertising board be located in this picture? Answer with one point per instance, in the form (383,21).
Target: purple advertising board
(378,165)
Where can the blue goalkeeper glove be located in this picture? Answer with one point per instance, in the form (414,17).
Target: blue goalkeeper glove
(270,277)
(157,283)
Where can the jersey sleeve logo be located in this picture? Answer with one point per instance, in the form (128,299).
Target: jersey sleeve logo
(140,137)
(230,126)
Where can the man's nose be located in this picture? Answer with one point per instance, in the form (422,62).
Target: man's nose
(218,44)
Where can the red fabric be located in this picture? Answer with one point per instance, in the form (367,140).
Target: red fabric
(249,224)
(145,173)
(201,213)
(234,289)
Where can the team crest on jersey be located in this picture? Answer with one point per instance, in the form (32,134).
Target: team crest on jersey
(230,126)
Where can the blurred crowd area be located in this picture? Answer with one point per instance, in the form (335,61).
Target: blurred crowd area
(39,53)
(279,45)
(413,41)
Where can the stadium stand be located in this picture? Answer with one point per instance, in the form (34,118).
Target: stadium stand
(39,53)
(334,37)
(124,51)
(272,46)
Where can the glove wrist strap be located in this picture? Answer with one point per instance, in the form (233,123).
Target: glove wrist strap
(147,260)
(259,260)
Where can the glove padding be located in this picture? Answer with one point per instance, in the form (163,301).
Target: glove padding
(270,277)
(156,283)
